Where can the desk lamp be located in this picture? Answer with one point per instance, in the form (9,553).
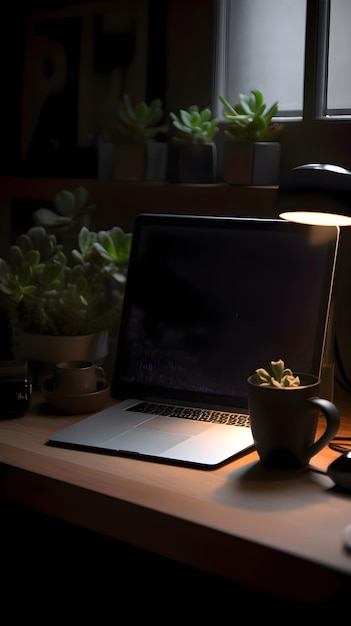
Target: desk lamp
(321,194)
(316,193)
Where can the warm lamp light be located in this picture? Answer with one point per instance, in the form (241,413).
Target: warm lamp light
(313,217)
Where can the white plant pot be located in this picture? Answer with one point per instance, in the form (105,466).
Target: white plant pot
(147,162)
(251,163)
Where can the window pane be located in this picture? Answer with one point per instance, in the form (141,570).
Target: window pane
(339,68)
(266,49)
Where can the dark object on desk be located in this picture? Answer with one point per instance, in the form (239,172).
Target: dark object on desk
(15,395)
(15,388)
(340,470)
(284,421)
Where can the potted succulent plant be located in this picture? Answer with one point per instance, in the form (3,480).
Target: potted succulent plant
(251,154)
(194,151)
(284,412)
(281,376)
(136,154)
(52,291)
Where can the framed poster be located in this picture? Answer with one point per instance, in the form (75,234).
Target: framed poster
(78,62)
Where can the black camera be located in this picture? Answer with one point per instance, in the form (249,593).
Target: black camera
(15,388)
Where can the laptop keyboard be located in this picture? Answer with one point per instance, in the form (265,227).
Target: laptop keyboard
(201,415)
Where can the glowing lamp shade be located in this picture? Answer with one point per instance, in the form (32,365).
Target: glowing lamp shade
(316,193)
(313,217)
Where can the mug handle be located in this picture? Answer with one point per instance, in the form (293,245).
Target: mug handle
(101,375)
(332,416)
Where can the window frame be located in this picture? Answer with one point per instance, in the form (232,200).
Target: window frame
(314,137)
(315,69)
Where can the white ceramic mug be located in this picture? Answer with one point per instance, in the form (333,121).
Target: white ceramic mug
(78,377)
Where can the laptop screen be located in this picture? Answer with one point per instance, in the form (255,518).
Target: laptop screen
(210,299)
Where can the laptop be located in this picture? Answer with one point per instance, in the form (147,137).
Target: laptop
(208,300)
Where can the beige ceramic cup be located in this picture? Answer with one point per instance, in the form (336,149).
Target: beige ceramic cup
(78,377)
(284,422)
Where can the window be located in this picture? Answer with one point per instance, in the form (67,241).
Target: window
(272,46)
(339,59)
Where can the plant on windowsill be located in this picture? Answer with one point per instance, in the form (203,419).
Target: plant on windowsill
(137,155)
(250,120)
(251,153)
(50,291)
(194,126)
(194,148)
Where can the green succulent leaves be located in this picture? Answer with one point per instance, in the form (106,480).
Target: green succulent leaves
(138,123)
(71,208)
(281,376)
(195,126)
(250,119)
(109,248)
(51,296)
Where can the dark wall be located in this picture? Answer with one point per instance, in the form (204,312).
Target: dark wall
(178,68)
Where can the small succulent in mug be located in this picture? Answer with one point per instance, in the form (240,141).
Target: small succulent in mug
(281,376)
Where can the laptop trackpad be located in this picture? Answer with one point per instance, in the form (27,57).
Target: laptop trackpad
(175,425)
(155,435)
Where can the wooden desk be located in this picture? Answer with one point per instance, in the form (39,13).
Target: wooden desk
(274,532)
